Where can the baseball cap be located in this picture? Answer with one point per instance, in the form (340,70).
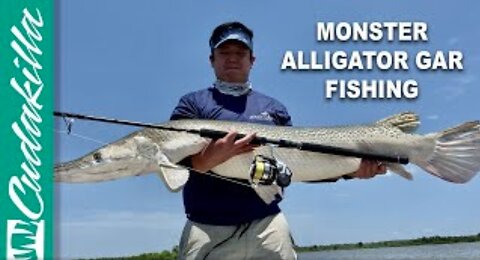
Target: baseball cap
(234,31)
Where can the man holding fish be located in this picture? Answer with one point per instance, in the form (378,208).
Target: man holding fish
(227,220)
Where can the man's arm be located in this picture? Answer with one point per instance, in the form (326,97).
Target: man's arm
(217,151)
(368,169)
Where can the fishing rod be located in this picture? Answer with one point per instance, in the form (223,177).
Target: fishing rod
(258,140)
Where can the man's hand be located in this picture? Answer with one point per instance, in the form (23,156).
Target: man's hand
(369,169)
(219,151)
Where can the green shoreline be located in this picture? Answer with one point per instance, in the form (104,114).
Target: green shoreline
(393,243)
(172,255)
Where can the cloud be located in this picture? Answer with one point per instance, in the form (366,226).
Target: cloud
(453,92)
(459,86)
(453,41)
(465,79)
(127,219)
(338,190)
(121,233)
(473,58)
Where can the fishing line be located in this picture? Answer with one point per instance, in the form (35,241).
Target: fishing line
(79,136)
(69,126)
(211,174)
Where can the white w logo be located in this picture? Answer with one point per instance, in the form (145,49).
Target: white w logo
(32,243)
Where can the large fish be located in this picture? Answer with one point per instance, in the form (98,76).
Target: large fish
(452,154)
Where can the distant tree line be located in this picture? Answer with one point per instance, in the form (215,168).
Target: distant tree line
(393,243)
(164,255)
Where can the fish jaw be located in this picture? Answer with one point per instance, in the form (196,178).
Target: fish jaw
(133,156)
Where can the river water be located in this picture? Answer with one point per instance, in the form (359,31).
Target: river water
(460,251)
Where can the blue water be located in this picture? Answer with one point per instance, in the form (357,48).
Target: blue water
(460,251)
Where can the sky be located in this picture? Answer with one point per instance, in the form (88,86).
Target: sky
(133,60)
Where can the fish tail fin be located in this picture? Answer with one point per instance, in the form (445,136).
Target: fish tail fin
(456,155)
(408,122)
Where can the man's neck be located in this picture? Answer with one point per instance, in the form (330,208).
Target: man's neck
(233,89)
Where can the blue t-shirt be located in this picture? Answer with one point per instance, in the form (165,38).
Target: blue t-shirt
(211,200)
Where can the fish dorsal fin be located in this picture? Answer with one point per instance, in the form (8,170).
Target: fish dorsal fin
(406,121)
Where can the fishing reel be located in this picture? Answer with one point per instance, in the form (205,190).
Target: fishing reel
(267,171)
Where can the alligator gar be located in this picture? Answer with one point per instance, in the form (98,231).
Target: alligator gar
(452,155)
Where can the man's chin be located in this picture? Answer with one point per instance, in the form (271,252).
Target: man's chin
(234,78)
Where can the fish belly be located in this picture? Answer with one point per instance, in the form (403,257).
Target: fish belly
(305,166)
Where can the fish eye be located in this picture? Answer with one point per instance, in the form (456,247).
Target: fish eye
(97,157)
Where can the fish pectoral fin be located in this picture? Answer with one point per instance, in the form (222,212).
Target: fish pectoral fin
(268,193)
(174,177)
(400,170)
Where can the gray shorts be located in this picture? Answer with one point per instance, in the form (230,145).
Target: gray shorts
(267,238)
